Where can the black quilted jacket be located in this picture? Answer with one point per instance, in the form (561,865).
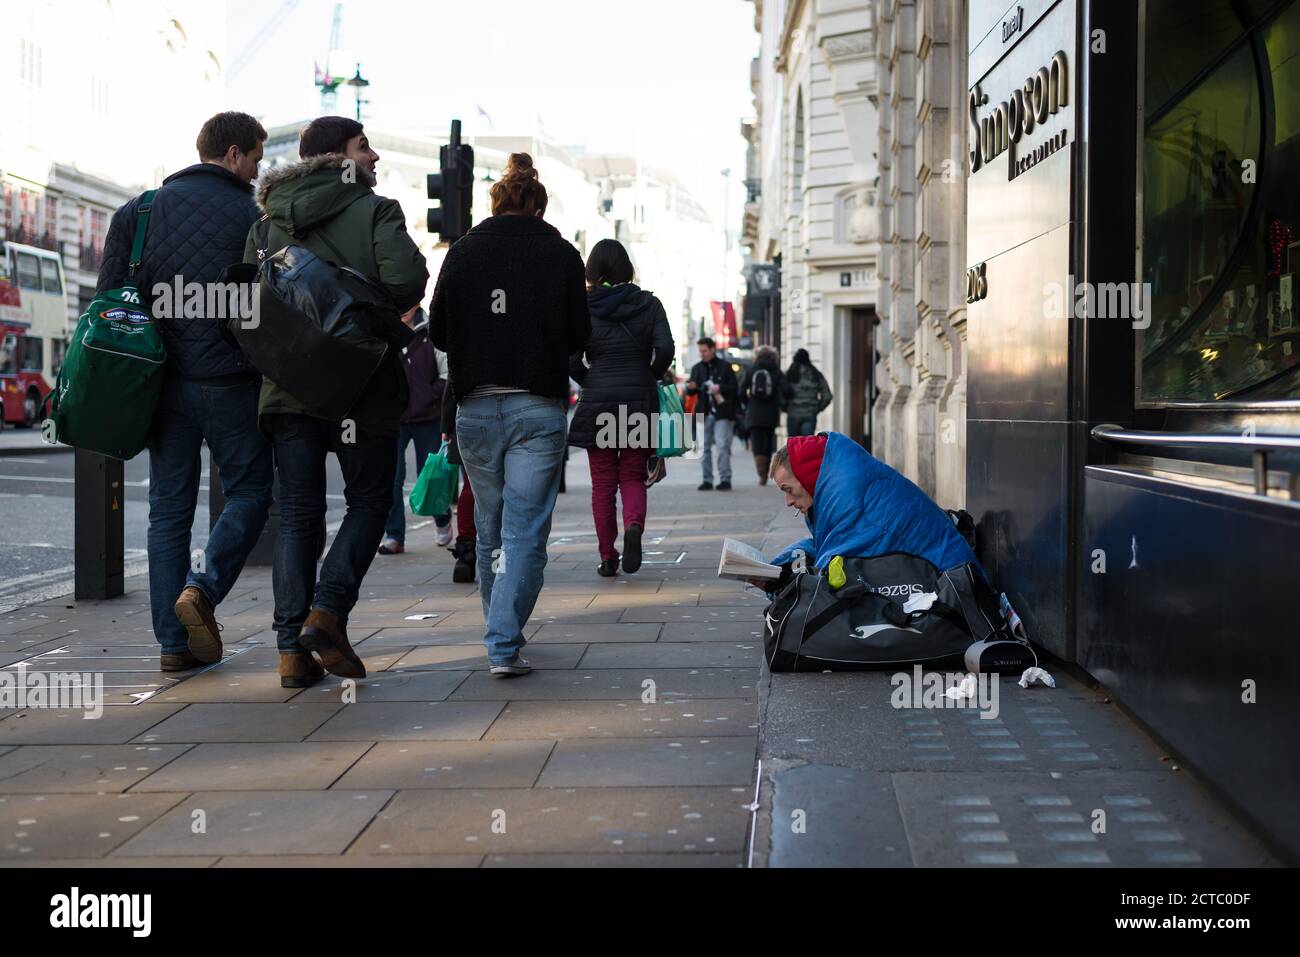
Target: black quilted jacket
(200,219)
(630,348)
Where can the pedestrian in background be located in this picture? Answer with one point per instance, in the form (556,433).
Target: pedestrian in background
(197,227)
(509,308)
(630,348)
(810,397)
(765,392)
(715,389)
(327,203)
(426,379)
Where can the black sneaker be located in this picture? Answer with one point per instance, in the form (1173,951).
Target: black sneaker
(632,548)
(608,568)
(705,487)
(724,486)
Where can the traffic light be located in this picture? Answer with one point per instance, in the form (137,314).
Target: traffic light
(453,187)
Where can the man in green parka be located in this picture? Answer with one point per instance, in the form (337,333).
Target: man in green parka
(327,203)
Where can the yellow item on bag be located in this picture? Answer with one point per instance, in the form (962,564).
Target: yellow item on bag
(835,572)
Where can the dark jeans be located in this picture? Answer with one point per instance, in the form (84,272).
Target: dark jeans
(302,444)
(225,416)
(800,425)
(427,437)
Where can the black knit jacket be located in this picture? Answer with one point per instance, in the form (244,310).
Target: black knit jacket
(510,307)
(631,347)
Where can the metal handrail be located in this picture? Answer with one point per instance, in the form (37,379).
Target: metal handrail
(1260,446)
(1119,434)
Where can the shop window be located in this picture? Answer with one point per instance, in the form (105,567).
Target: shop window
(1221,216)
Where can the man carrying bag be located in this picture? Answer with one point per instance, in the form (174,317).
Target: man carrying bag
(327,204)
(196,227)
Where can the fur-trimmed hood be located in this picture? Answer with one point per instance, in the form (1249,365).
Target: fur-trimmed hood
(300,195)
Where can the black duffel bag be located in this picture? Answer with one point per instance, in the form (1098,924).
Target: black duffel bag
(322,329)
(864,624)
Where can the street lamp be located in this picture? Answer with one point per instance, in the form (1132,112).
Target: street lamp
(358,84)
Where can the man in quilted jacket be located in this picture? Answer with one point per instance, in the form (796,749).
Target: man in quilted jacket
(197,227)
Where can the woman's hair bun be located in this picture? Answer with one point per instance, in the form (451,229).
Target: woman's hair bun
(519,165)
(519,190)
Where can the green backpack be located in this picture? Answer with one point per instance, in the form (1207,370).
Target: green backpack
(112,373)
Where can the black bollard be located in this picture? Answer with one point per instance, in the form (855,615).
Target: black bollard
(98,538)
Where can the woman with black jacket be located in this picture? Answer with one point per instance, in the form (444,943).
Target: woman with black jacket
(509,309)
(630,348)
(765,392)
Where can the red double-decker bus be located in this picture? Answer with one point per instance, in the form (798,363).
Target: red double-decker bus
(33,326)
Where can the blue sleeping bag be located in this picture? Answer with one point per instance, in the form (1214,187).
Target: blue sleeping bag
(863,508)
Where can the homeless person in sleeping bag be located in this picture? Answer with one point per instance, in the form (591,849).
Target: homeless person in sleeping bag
(885,566)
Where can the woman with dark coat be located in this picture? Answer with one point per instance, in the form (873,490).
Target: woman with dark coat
(630,348)
(766,392)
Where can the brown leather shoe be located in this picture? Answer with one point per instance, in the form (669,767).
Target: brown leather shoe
(324,634)
(299,670)
(195,613)
(184,661)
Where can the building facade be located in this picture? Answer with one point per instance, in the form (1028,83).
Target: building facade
(67,160)
(857,210)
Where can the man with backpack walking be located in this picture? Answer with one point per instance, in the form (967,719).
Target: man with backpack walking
(195,228)
(765,393)
(327,204)
(716,397)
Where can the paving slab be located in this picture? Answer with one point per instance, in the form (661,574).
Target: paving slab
(674,654)
(352,860)
(561,632)
(396,685)
(118,724)
(586,820)
(258,822)
(692,615)
(243,722)
(242,767)
(745,631)
(75,768)
(625,719)
(449,764)
(1151,819)
(642,762)
(473,657)
(825,816)
(39,826)
(410,721)
(616,860)
(612,684)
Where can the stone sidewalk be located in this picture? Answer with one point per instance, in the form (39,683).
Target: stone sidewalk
(635,742)
(632,743)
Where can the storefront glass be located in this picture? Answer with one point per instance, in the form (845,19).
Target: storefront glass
(1221,206)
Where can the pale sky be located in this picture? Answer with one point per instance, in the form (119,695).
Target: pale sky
(670,77)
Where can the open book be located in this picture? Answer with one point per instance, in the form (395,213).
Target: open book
(744,561)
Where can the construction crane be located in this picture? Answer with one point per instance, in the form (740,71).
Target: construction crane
(327,83)
(272,24)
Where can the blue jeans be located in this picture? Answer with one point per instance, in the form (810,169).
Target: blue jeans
(800,425)
(513,450)
(302,446)
(722,430)
(427,437)
(225,416)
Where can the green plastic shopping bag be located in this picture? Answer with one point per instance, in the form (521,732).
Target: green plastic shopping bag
(674,426)
(436,485)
